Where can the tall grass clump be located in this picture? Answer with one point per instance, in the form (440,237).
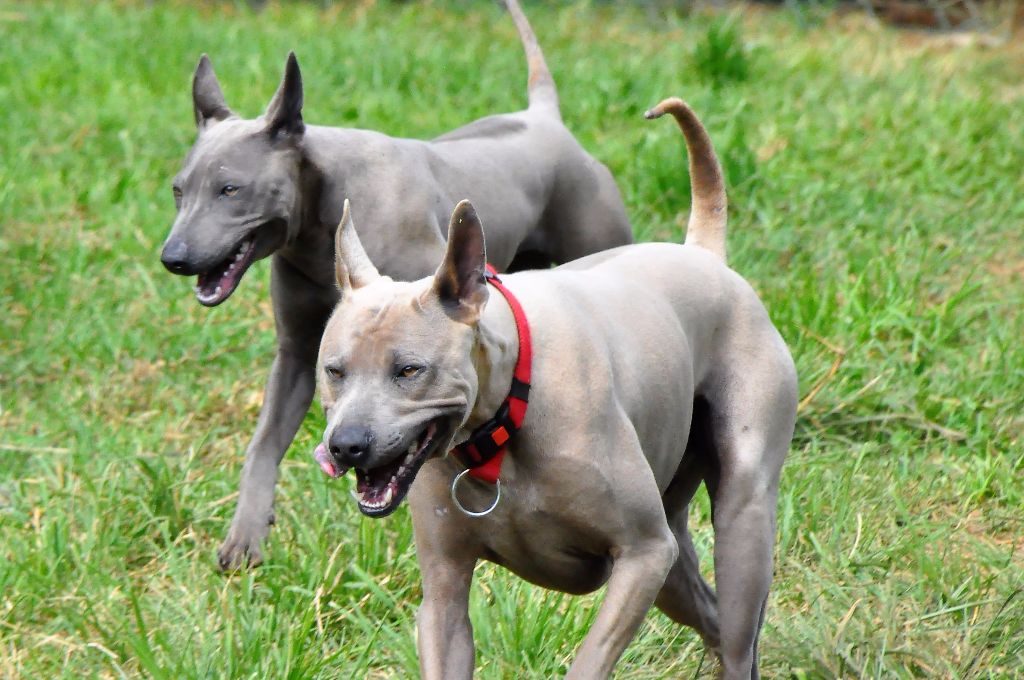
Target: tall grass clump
(720,56)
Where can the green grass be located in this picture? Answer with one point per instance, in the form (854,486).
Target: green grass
(876,204)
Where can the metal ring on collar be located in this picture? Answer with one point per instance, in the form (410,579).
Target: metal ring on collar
(462,508)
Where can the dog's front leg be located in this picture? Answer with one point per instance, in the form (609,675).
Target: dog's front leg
(288,395)
(300,310)
(638,572)
(444,632)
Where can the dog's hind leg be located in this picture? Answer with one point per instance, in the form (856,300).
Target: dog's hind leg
(751,444)
(686,597)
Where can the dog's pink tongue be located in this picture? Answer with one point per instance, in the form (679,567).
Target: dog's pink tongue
(326,464)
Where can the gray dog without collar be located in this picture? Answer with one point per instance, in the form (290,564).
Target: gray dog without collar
(273,185)
(655,367)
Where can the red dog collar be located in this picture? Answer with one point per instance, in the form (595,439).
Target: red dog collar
(483,452)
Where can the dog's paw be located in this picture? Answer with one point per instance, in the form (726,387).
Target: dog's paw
(242,547)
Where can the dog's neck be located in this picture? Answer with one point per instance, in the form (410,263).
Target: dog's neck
(494,359)
(311,189)
(326,157)
(323,161)
(335,157)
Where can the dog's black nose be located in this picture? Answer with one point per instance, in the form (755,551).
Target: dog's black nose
(174,258)
(350,444)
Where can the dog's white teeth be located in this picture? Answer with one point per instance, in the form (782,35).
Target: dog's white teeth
(218,291)
(363,501)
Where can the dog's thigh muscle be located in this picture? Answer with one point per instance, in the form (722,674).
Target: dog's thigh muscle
(586,214)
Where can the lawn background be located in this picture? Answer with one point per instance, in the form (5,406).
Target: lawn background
(876,205)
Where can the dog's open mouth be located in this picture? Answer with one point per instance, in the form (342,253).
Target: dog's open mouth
(381,490)
(216,285)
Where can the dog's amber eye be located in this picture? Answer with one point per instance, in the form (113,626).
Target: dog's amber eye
(335,372)
(229,190)
(409,371)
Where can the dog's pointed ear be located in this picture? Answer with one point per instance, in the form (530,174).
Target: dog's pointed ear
(284,113)
(459,282)
(352,266)
(208,102)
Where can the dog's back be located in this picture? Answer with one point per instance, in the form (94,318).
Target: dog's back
(664,318)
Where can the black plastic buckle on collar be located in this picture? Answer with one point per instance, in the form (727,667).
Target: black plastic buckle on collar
(487,440)
(490,438)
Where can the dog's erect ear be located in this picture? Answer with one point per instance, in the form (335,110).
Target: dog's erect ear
(207,99)
(459,281)
(284,113)
(352,267)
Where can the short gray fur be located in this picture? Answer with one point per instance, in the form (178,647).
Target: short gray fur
(655,368)
(278,184)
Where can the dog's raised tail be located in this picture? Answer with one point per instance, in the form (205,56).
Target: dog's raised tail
(540,86)
(706,227)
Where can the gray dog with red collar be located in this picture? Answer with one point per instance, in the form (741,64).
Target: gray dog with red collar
(654,367)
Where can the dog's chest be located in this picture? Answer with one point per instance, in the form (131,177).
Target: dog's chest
(549,550)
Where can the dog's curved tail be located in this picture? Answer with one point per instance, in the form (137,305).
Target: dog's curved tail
(540,86)
(706,227)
